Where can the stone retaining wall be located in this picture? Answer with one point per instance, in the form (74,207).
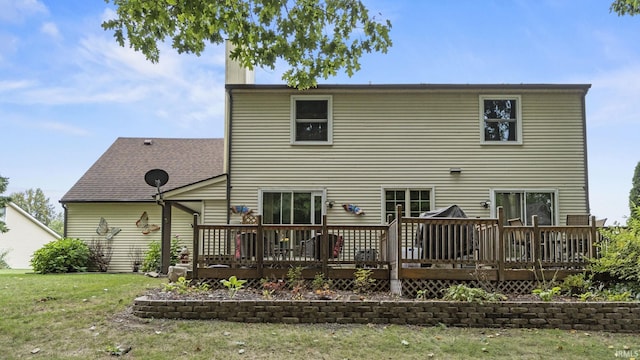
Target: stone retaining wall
(591,316)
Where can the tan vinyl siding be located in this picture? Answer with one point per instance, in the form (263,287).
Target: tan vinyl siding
(83,219)
(212,190)
(409,138)
(215,212)
(211,196)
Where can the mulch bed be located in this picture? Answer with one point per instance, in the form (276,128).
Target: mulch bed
(249,294)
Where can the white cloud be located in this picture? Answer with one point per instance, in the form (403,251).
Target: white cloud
(8,44)
(181,90)
(63,128)
(15,11)
(80,94)
(106,53)
(614,95)
(108,14)
(186,90)
(15,85)
(50,29)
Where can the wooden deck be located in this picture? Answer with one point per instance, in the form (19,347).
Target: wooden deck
(407,248)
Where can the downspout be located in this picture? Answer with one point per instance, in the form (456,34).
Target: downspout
(65,218)
(229,142)
(586,166)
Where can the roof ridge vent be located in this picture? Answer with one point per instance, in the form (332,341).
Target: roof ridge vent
(148,141)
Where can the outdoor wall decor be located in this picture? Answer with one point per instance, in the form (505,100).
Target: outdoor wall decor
(241,209)
(354,209)
(143,224)
(105,230)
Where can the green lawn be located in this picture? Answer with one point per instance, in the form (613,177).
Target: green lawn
(85,316)
(14,271)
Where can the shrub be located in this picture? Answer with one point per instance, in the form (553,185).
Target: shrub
(363,283)
(576,284)
(100,253)
(617,293)
(153,255)
(296,282)
(294,277)
(61,256)
(320,283)
(621,252)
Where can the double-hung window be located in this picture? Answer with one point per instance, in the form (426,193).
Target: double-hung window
(524,204)
(311,119)
(501,121)
(413,201)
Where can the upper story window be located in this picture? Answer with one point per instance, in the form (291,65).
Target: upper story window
(501,121)
(311,120)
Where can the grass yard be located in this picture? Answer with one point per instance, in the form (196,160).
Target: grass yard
(85,316)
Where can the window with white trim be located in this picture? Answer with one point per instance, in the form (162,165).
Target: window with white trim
(501,121)
(523,204)
(413,201)
(292,207)
(311,119)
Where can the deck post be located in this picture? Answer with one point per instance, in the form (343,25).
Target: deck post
(501,244)
(196,247)
(166,238)
(537,240)
(324,245)
(594,238)
(396,282)
(259,247)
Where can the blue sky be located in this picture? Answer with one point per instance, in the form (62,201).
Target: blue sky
(67,90)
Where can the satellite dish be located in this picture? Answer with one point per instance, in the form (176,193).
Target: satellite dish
(156,177)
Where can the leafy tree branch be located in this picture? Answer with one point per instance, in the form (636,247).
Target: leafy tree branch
(625,7)
(4,200)
(316,38)
(36,204)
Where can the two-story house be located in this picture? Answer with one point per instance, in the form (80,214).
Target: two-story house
(293,156)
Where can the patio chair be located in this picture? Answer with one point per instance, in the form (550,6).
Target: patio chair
(519,245)
(246,242)
(581,244)
(577,219)
(311,247)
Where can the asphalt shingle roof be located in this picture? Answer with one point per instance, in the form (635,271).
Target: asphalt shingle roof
(118,175)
